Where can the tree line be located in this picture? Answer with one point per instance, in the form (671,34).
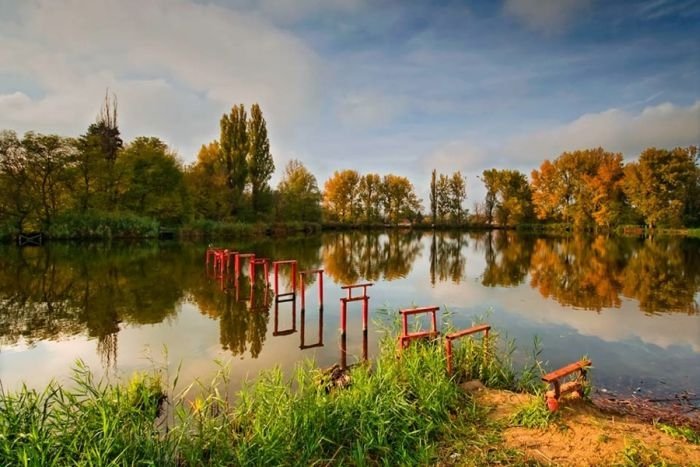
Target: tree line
(593,188)
(59,184)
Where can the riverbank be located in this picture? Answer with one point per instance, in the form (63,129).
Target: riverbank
(395,411)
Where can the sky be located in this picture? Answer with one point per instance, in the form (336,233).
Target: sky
(379,86)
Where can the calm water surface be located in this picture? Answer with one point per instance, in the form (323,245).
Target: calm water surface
(631,305)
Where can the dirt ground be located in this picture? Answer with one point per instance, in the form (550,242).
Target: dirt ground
(583,435)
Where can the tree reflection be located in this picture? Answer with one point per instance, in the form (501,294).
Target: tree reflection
(53,292)
(507,258)
(446,258)
(579,271)
(350,256)
(664,275)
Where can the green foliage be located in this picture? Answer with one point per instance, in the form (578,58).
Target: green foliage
(89,424)
(398,411)
(102,225)
(153,182)
(260,163)
(234,145)
(298,195)
(681,432)
(533,414)
(636,453)
(508,196)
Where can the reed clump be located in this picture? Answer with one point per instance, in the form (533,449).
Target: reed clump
(396,410)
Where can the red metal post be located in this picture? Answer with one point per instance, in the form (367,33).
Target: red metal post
(343,316)
(365,306)
(320,287)
(303,292)
(276,272)
(448,351)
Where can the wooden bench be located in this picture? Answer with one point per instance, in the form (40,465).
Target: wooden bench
(552,396)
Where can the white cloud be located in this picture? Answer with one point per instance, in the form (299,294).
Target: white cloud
(665,125)
(172,65)
(548,16)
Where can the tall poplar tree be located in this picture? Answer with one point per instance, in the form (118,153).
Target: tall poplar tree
(234,153)
(433,195)
(260,163)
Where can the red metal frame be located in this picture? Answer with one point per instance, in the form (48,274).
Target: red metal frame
(485,328)
(344,350)
(264,262)
(407,336)
(285,332)
(303,344)
(302,286)
(276,270)
(237,262)
(344,305)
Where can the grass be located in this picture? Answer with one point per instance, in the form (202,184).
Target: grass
(534,414)
(680,432)
(636,453)
(397,411)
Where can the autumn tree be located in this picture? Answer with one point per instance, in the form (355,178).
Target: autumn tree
(260,163)
(370,197)
(442,194)
(340,195)
(234,147)
(662,184)
(298,194)
(399,198)
(508,196)
(579,187)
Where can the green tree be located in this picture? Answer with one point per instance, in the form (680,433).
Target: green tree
(260,163)
(234,148)
(16,204)
(433,196)
(96,160)
(457,196)
(508,195)
(154,181)
(207,184)
(299,194)
(49,157)
(442,207)
(662,183)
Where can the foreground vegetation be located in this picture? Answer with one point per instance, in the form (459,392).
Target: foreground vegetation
(396,411)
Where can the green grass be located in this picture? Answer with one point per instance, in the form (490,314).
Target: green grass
(680,432)
(636,453)
(396,411)
(534,414)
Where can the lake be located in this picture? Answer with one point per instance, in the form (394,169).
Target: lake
(631,305)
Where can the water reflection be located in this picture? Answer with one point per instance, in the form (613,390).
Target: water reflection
(100,292)
(447,260)
(350,256)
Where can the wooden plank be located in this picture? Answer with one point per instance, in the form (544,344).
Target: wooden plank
(567,370)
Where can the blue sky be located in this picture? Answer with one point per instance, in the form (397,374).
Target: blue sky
(382,86)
